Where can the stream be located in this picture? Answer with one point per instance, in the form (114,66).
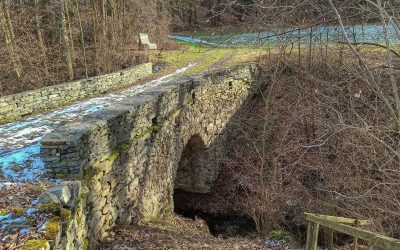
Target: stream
(371,33)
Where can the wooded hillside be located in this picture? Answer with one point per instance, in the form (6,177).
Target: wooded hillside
(44,42)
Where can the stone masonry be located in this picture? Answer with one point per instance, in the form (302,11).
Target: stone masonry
(35,101)
(129,158)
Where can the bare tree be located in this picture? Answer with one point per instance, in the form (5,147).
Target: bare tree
(64,38)
(7,27)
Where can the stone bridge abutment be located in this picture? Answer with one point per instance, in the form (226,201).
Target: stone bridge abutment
(130,158)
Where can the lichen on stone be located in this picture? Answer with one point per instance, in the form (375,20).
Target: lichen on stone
(85,244)
(51,229)
(35,245)
(65,213)
(125,146)
(154,128)
(174,112)
(189,102)
(114,155)
(51,208)
(141,134)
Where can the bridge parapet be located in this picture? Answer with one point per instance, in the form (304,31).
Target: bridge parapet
(35,101)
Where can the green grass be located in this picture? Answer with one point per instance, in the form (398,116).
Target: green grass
(280,235)
(204,57)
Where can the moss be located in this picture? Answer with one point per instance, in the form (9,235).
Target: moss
(52,208)
(88,175)
(69,100)
(85,244)
(82,193)
(78,220)
(142,134)
(149,130)
(18,211)
(125,146)
(4,212)
(174,112)
(65,213)
(189,102)
(35,245)
(219,89)
(114,155)
(154,128)
(52,229)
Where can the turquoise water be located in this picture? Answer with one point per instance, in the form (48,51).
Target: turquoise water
(357,33)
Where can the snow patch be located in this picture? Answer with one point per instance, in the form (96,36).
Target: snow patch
(20,140)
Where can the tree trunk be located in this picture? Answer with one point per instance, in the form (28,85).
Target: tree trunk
(40,39)
(6,26)
(71,46)
(104,12)
(62,26)
(82,39)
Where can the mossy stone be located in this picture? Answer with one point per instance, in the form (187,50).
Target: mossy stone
(35,245)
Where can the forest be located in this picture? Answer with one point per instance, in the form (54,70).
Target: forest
(323,136)
(47,42)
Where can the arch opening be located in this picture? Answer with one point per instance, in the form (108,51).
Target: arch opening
(195,171)
(194,180)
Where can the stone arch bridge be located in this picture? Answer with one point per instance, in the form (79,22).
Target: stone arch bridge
(129,158)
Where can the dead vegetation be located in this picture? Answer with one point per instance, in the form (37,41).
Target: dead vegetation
(317,139)
(323,136)
(175,233)
(48,42)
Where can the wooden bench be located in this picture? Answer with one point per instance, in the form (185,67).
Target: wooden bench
(145,42)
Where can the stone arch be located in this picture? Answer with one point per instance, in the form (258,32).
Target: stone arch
(196,171)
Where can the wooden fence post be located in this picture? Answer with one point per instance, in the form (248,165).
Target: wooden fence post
(312,236)
(355,239)
(329,240)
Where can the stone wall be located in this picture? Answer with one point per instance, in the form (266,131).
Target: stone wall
(26,103)
(131,157)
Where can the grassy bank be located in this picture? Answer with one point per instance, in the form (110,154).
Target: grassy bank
(205,58)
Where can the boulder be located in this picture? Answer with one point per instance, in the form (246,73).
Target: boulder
(58,194)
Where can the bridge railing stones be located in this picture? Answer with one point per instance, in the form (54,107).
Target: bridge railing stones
(35,101)
(127,155)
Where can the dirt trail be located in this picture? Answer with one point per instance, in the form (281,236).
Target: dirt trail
(220,63)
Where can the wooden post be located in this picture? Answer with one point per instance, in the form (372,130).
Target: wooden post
(312,236)
(355,239)
(329,240)
(299,44)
